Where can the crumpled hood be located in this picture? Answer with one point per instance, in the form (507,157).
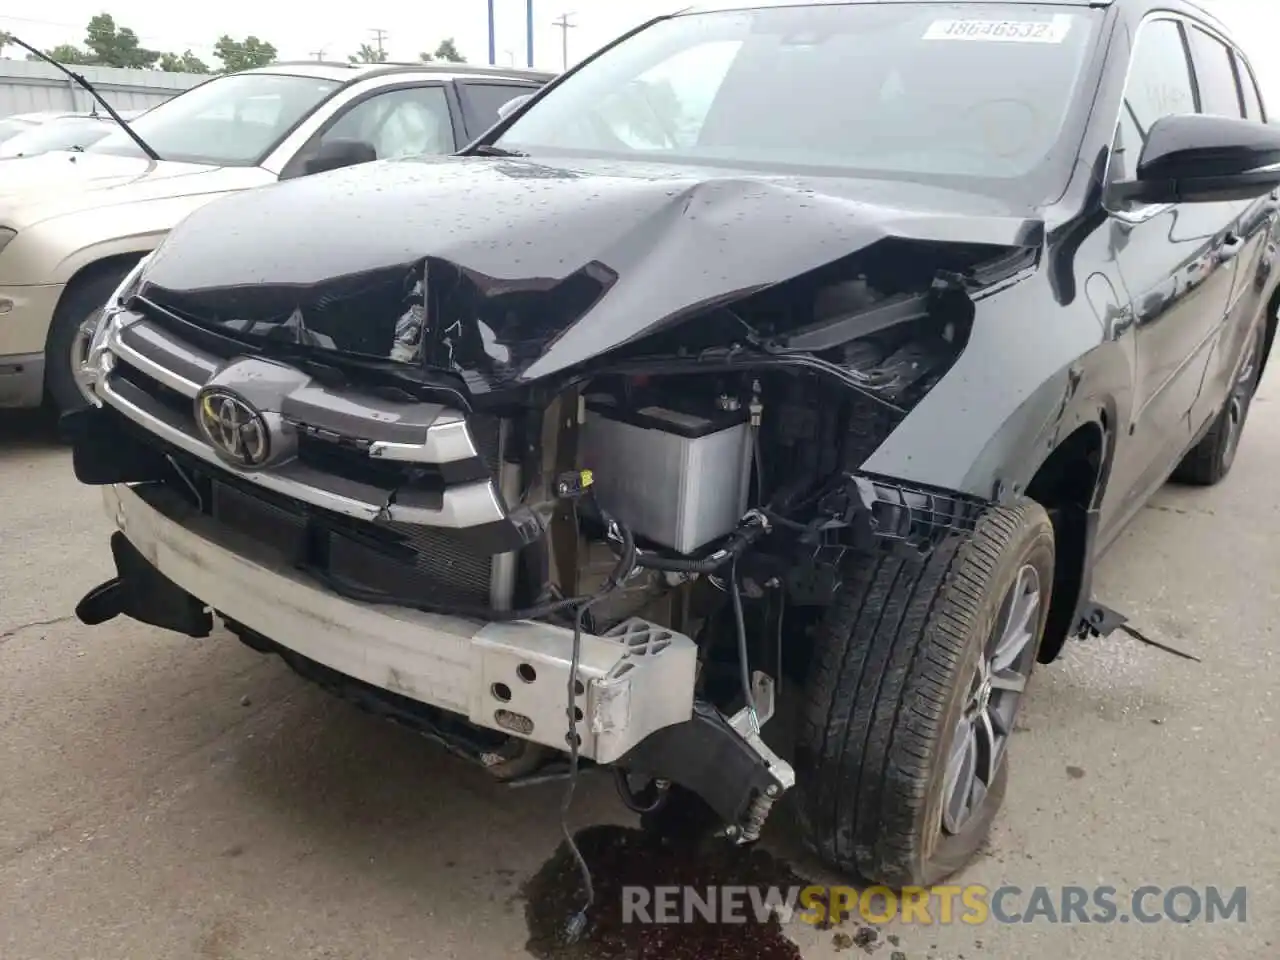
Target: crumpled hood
(54,184)
(562,264)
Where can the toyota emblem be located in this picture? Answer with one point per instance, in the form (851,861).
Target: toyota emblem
(237,431)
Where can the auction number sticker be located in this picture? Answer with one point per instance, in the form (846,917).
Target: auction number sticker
(1002,31)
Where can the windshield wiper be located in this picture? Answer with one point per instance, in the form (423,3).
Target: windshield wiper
(133,135)
(489,150)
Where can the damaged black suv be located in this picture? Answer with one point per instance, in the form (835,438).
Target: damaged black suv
(821,341)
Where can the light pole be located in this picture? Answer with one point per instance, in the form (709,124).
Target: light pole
(493,52)
(493,42)
(529,31)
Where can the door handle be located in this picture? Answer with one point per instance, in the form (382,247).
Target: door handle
(1230,248)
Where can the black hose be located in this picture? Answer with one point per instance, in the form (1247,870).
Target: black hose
(733,548)
(629,799)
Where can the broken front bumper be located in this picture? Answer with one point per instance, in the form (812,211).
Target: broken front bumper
(635,679)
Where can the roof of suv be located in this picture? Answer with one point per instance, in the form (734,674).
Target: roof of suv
(711,5)
(351,72)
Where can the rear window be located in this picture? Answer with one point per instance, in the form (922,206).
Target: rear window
(484,99)
(1249,89)
(1215,75)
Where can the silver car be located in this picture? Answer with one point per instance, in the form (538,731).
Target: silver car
(70,131)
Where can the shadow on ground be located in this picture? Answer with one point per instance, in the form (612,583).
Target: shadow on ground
(26,431)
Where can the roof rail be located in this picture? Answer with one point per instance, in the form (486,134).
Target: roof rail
(312,63)
(449,66)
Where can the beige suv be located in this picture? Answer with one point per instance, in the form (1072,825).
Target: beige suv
(72,224)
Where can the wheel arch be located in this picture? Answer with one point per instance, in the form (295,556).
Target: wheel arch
(94,269)
(1068,483)
(86,274)
(1271,319)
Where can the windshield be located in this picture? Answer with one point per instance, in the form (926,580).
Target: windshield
(11,128)
(67,134)
(234,120)
(967,94)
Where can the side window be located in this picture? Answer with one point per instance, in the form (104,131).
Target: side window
(410,121)
(1160,85)
(1215,75)
(1249,88)
(482,101)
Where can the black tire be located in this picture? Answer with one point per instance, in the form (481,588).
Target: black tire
(894,663)
(1210,460)
(86,295)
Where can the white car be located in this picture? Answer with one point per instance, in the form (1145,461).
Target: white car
(73,223)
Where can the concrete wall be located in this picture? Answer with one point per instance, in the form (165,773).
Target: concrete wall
(34,87)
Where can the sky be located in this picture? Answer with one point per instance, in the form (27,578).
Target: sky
(298,30)
(338,29)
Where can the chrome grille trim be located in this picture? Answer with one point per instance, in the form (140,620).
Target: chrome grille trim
(121,340)
(445,434)
(154,352)
(412,432)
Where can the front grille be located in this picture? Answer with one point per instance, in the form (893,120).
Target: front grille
(397,559)
(347,457)
(440,569)
(399,496)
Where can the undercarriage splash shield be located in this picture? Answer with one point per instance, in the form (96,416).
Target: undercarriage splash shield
(143,593)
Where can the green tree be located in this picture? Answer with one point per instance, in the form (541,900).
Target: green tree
(368,54)
(65,53)
(4,42)
(186,62)
(110,46)
(448,51)
(243,54)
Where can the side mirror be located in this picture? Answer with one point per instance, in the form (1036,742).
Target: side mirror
(1193,158)
(334,154)
(512,105)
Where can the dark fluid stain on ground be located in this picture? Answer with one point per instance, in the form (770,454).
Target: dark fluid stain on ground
(624,857)
(866,938)
(1075,773)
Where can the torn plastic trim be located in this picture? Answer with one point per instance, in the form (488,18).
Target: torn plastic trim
(1100,620)
(860,511)
(387,377)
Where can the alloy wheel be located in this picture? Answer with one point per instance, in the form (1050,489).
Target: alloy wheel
(986,723)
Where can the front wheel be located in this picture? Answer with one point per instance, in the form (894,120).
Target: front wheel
(918,672)
(66,346)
